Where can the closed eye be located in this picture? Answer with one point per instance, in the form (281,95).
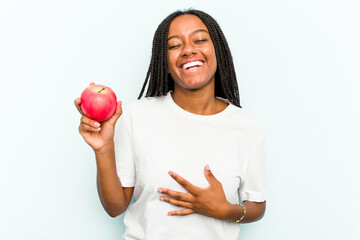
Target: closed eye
(175,46)
(201,40)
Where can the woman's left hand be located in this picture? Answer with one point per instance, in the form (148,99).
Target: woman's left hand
(210,201)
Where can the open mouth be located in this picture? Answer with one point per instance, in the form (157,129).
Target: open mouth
(191,65)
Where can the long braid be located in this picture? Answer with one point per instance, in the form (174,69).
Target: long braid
(161,81)
(163,65)
(150,72)
(226,76)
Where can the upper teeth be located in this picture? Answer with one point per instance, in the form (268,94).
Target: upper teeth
(191,64)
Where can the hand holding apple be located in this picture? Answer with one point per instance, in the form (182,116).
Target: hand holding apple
(99,135)
(98,102)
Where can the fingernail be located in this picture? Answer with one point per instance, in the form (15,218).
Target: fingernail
(170,173)
(162,199)
(169,213)
(160,190)
(97,124)
(207,167)
(98,129)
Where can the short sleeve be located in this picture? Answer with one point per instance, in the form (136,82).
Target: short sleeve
(125,166)
(252,187)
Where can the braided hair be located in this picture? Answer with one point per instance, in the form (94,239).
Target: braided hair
(159,79)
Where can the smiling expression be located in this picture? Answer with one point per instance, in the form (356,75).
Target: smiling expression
(191,53)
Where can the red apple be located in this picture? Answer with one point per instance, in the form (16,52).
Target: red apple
(98,102)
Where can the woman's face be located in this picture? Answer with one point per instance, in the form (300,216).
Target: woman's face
(191,53)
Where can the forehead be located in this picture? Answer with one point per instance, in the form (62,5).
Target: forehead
(186,24)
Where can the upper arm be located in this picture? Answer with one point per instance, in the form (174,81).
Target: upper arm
(128,192)
(252,185)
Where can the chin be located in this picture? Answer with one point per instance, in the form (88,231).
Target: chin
(195,85)
(191,86)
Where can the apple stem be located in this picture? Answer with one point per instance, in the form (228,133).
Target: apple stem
(101,90)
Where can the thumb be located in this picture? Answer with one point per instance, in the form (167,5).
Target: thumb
(117,113)
(209,175)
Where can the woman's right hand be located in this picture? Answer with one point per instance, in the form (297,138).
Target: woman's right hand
(99,135)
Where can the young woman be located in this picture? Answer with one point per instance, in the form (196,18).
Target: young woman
(187,150)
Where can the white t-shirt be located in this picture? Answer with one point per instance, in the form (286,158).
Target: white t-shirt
(154,136)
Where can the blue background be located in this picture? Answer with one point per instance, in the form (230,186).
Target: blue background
(297,64)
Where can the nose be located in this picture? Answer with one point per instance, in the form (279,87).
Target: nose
(188,49)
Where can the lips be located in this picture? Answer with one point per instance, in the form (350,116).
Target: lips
(192,64)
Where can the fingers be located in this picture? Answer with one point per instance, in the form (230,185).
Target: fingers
(209,175)
(174,194)
(181,212)
(177,199)
(117,113)
(88,124)
(77,103)
(213,182)
(176,202)
(87,128)
(184,183)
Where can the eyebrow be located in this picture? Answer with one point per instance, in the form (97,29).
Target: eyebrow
(196,31)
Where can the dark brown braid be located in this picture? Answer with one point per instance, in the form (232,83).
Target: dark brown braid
(161,81)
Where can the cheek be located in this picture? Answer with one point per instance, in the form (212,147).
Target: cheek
(171,63)
(210,54)
(213,64)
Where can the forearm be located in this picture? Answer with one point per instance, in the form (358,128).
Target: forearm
(254,212)
(109,187)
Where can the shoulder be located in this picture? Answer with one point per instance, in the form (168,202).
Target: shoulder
(144,105)
(246,120)
(140,110)
(247,116)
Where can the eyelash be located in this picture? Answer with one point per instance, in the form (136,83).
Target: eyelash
(173,47)
(201,40)
(197,41)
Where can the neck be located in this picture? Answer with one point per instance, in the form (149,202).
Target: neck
(200,101)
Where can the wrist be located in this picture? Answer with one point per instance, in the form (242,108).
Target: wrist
(227,210)
(106,149)
(105,158)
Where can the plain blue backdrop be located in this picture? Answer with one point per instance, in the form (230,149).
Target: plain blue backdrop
(297,64)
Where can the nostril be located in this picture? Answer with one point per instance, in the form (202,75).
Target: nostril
(188,52)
